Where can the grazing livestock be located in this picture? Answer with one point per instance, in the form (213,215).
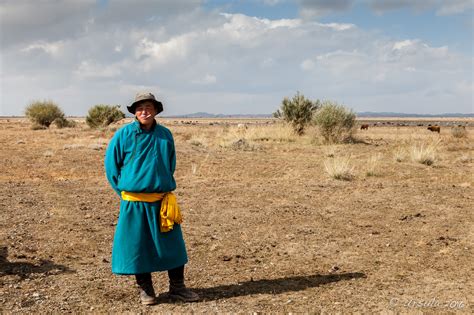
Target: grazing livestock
(434,129)
(364,126)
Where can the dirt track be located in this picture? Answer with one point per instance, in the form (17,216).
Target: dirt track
(266,229)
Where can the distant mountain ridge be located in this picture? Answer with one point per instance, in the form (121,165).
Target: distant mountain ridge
(391,114)
(359,114)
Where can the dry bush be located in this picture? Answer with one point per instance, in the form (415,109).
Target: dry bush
(62,122)
(339,168)
(297,111)
(103,115)
(425,153)
(373,163)
(43,113)
(336,122)
(459,132)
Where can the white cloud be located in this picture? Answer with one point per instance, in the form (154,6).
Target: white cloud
(53,48)
(231,63)
(337,26)
(89,69)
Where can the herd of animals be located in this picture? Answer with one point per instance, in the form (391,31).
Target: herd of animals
(432,128)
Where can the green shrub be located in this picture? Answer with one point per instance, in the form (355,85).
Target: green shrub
(103,115)
(336,122)
(298,112)
(62,122)
(43,113)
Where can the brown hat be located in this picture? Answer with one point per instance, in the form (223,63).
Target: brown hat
(145,96)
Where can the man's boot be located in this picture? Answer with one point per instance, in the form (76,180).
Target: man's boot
(178,290)
(147,292)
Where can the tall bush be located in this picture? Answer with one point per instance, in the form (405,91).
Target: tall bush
(103,115)
(43,113)
(298,112)
(336,122)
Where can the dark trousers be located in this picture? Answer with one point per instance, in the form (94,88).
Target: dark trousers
(175,275)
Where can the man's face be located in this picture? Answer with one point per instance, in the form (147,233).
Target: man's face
(145,112)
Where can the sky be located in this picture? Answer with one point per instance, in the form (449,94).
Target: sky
(238,57)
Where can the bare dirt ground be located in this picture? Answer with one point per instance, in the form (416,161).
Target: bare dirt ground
(267,230)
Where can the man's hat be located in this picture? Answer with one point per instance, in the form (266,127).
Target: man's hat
(145,96)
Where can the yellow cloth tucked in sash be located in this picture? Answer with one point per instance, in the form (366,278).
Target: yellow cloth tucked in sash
(169,212)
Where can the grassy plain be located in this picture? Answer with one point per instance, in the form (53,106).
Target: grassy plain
(267,228)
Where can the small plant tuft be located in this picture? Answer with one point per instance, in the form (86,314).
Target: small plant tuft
(425,153)
(101,116)
(339,168)
(372,166)
(399,154)
(43,113)
(336,122)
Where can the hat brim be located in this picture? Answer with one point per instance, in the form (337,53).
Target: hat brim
(158,106)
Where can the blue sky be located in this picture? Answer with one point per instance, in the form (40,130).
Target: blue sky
(236,57)
(404,22)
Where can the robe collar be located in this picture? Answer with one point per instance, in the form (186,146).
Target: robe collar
(139,129)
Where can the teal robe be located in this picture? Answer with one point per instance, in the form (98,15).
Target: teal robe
(137,160)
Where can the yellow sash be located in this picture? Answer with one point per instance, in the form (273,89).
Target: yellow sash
(169,212)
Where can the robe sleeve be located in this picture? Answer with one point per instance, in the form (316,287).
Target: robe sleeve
(114,161)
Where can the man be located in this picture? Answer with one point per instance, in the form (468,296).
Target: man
(140,162)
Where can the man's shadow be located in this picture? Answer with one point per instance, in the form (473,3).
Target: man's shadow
(24,269)
(271,286)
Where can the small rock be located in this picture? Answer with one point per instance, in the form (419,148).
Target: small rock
(334,269)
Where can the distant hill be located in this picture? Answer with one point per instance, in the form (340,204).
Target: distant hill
(359,114)
(391,114)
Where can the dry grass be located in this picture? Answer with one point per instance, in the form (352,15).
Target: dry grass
(340,168)
(373,164)
(198,140)
(425,153)
(459,132)
(399,153)
(330,151)
(277,133)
